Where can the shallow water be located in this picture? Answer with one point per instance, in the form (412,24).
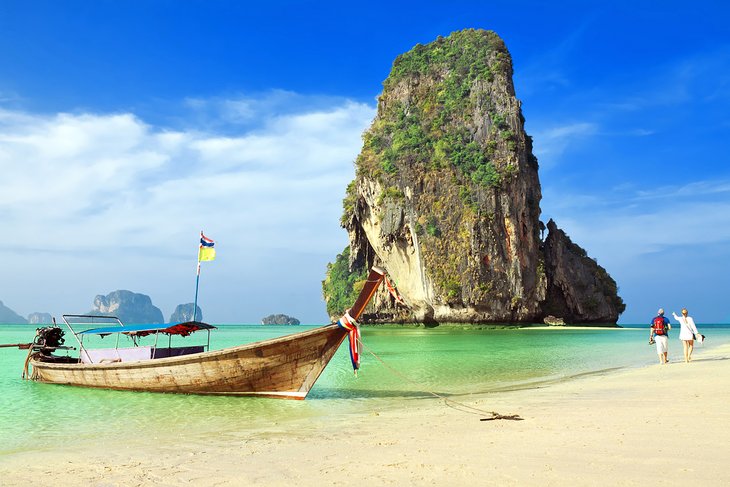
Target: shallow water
(409,365)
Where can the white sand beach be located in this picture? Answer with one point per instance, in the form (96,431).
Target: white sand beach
(658,425)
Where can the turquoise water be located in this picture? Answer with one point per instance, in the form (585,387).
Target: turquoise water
(415,362)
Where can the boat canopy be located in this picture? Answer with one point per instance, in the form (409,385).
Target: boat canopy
(183,329)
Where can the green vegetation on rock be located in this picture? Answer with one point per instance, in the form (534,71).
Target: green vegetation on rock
(341,287)
(446,195)
(446,120)
(447,81)
(348,204)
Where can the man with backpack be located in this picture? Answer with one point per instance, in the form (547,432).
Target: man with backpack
(659,333)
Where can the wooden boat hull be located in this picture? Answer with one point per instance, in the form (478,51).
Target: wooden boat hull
(285,367)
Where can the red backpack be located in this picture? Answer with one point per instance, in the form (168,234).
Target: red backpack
(659,326)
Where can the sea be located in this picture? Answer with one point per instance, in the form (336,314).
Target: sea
(400,366)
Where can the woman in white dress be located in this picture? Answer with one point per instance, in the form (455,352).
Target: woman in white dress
(687,332)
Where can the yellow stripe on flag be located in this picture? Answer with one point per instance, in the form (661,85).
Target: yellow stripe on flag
(206,253)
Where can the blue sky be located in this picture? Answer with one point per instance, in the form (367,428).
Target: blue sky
(127,127)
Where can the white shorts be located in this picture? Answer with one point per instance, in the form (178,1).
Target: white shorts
(661,343)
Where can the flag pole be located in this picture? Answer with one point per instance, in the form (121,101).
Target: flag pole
(197,282)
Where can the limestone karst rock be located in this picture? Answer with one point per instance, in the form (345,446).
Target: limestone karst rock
(446,198)
(129,307)
(579,290)
(184,312)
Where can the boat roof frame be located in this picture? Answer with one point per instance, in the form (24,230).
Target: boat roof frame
(128,329)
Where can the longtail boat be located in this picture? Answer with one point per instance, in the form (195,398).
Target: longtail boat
(285,367)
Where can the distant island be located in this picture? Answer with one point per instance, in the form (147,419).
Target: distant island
(40,318)
(8,316)
(128,306)
(184,312)
(279,319)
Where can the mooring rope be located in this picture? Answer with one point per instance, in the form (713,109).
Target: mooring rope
(465,408)
(24,375)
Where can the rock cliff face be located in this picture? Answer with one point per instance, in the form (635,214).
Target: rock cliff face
(579,290)
(447,199)
(184,312)
(129,307)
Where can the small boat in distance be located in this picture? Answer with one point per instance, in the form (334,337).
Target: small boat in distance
(285,367)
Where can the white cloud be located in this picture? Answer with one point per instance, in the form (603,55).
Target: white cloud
(669,245)
(111,184)
(552,141)
(623,225)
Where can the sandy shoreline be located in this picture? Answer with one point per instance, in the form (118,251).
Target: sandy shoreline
(658,425)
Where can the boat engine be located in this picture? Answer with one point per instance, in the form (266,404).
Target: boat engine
(47,340)
(48,337)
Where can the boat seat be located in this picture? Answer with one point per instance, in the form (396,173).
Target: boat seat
(177,351)
(105,355)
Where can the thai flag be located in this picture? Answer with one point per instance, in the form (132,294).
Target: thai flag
(206,251)
(205,241)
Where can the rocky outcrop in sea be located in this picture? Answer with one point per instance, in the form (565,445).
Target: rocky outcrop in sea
(184,312)
(129,307)
(446,198)
(279,319)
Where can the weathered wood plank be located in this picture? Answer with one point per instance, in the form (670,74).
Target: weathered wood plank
(285,367)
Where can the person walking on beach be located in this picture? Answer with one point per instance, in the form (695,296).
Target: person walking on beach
(659,333)
(687,333)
